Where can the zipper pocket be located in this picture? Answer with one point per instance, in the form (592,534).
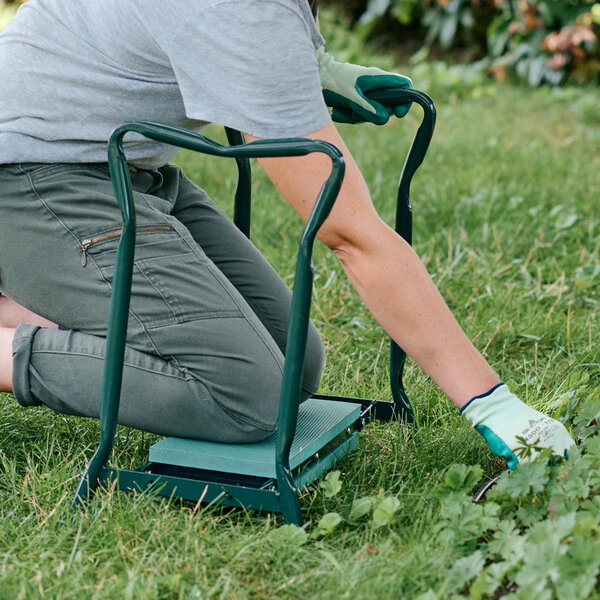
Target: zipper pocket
(85,244)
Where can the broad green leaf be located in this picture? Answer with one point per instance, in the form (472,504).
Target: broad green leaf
(589,411)
(507,542)
(534,575)
(384,511)
(462,478)
(585,526)
(536,70)
(361,507)
(489,514)
(592,452)
(501,489)
(552,532)
(530,513)
(290,535)
(565,221)
(587,276)
(578,587)
(428,595)
(448,30)
(495,575)
(583,555)
(479,587)
(529,478)
(463,571)
(328,523)
(331,485)
(572,482)
(453,505)
(466,521)
(591,508)
(535,591)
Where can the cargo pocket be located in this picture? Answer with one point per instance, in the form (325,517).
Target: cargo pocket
(173,280)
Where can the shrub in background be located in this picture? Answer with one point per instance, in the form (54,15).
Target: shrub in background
(541,41)
(548,41)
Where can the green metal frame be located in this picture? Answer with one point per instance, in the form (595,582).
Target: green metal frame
(280,495)
(403,225)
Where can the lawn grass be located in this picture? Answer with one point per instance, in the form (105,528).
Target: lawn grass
(507,220)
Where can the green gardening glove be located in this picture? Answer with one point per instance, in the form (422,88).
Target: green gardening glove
(346,88)
(499,416)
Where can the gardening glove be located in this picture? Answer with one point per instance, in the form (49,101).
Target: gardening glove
(499,416)
(346,88)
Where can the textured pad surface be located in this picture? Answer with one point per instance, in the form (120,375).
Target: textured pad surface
(319,422)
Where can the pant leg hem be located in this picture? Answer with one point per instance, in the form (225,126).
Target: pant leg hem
(22,344)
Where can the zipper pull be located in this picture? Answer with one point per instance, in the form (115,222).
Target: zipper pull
(85,244)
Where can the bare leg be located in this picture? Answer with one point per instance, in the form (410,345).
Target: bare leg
(386,272)
(6,368)
(13,314)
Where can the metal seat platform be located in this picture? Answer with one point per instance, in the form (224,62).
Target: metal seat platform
(319,423)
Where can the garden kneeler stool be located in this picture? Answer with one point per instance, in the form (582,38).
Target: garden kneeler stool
(311,436)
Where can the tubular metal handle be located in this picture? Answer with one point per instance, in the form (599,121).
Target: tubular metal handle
(120,297)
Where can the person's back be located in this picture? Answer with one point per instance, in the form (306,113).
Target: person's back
(72,71)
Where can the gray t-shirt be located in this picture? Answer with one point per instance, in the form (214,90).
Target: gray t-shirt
(73,70)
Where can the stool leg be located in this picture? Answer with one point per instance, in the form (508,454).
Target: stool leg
(242,206)
(418,149)
(289,501)
(403,407)
(116,334)
(397,355)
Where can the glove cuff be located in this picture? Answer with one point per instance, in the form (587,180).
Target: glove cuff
(492,403)
(484,395)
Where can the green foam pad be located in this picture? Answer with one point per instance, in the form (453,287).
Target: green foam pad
(319,422)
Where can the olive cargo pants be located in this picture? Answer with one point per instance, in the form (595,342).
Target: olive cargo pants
(208,318)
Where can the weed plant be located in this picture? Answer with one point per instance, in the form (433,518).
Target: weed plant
(507,220)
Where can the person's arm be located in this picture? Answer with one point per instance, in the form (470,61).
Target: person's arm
(385,271)
(397,289)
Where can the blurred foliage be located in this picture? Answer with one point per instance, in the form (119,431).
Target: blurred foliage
(8,8)
(541,41)
(550,41)
(449,82)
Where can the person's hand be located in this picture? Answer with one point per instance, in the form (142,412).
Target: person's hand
(501,418)
(346,89)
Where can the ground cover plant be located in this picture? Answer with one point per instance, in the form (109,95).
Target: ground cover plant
(507,221)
